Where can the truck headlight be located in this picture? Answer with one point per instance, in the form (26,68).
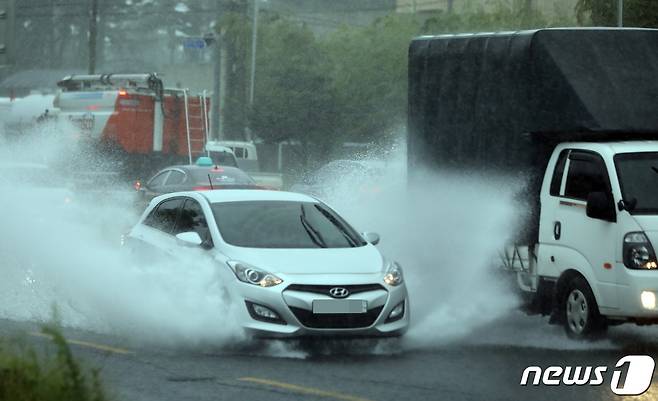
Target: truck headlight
(638,252)
(393,275)
(253,275)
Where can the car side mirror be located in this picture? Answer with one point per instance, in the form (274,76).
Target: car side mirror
(189,239)
(372,238)
(600,206)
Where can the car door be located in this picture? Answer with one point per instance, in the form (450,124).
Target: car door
(586,172)
(175,181)
(193,219)
(155,238)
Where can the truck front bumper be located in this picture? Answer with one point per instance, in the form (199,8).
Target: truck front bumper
(638,300)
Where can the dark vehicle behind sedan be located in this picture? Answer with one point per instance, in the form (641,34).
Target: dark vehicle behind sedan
(194,178)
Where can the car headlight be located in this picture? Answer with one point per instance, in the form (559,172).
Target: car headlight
(253,275)
(638,252)
(393,275)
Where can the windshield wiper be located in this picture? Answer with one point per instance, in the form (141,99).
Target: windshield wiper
(315,236)
(339,226)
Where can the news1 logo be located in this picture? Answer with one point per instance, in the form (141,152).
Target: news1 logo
(632,375)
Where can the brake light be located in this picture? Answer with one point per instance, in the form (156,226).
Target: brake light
(202,188)
(137,185)
(123,92)
(217,169)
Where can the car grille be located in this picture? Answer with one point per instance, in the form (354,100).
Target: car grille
(324,289)
(336,320)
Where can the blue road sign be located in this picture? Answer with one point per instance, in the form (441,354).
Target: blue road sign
(194,43)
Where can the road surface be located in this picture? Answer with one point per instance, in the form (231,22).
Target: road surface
(485,365)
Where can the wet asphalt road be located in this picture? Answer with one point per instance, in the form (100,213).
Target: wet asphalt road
(485,365)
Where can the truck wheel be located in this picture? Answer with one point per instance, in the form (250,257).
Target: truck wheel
(582,319)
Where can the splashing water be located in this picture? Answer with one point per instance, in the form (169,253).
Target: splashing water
(61,249)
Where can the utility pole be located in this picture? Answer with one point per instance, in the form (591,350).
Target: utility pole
(93,34)
(7,23)
(450,5)
(215,122)
(620,13)
(254,39)
(252,77)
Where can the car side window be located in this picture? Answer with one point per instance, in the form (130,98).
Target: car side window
(164,216)
(558,173)
(192,218)
(158,180)
(587,173)
(175,178)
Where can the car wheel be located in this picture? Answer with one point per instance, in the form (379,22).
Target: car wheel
(582,319)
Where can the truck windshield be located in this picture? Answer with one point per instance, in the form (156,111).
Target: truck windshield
(638,178)
(223,159)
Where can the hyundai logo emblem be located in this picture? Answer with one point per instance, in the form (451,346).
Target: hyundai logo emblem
(339,292)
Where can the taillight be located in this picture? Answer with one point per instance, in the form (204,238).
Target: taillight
(202,188)
(137,185)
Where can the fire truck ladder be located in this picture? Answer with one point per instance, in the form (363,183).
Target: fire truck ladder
(196,124)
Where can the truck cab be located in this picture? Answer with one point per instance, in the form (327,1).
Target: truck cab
(598,226)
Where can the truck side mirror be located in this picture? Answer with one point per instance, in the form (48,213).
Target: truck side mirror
(600,206)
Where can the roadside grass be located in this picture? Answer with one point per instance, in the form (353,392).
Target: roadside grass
(53,376)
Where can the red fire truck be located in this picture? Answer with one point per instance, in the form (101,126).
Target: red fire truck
(132,120)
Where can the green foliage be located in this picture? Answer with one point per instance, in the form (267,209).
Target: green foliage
(235,29)
(637,13)
(24,376)
(294,99)
(351,85)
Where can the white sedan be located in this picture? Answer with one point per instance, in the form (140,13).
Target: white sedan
(293,265)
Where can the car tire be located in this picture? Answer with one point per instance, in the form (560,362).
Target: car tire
(582,320)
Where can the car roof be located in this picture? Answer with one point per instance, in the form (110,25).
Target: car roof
(191,167)
(216,147)
(613,148)
(237,195)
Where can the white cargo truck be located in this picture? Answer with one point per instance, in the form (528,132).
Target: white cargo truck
(574,113)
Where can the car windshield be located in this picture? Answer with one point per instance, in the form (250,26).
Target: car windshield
(221,176)
(638,178)
(283,224)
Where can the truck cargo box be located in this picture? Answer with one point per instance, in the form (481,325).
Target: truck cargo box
(502,100)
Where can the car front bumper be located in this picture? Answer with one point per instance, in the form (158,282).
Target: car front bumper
(293,303)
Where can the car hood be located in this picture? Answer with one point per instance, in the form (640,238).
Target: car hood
(360,260)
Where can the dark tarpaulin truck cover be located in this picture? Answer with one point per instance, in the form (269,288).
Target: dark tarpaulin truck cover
(503,100)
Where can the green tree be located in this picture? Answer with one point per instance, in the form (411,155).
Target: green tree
(637,13)
(235,29)
(293,96)
(351,85)
(368,74)
(369,64)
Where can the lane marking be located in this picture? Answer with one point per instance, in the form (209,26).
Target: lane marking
(302,389)
(99,347)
